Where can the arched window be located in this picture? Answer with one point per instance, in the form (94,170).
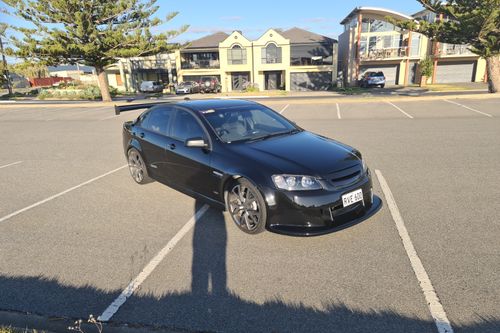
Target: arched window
(271,54)
(237,55)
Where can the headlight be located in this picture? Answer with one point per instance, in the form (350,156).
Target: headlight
(365,167)
(296,183)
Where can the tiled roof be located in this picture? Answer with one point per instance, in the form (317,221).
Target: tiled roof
(210,41)
(297,35)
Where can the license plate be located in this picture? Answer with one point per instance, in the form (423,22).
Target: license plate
(352,197)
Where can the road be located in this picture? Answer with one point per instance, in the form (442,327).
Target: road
(75,230)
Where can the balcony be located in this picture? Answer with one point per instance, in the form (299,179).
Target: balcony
(200,64)
(383,53)
(454,50)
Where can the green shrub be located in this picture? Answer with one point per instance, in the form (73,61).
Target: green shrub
(113,91)
(426,67)
(252,87)
(43,94)
(91,92)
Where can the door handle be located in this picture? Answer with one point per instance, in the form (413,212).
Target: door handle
(141,135)
(172,146)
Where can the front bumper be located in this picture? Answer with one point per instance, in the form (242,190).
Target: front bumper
(309,213)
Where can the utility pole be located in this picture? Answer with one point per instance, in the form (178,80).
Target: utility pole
(6,69)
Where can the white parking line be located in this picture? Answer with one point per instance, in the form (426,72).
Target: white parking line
(283,110)
(17,212)
(468,108)
(150,267)
(435,307)
(8,165)
(399,109)
(338,111)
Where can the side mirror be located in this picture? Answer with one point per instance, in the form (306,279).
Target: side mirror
(196,143)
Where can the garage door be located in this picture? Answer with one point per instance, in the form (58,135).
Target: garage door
(455,72)
(310,81)
(391,72)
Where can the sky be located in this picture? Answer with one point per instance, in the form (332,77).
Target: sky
(254,17)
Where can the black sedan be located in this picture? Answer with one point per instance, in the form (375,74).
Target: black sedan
(246,158)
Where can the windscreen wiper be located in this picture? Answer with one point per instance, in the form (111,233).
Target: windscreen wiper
(270,135)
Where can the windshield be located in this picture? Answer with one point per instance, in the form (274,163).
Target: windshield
(245,123)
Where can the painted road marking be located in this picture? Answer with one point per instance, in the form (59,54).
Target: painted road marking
(399,109)
(435,307)
(8,165)
(338,111)
(468,108)
(150,267)
(17,212)
(283,110)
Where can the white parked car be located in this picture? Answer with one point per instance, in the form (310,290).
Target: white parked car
(151,86)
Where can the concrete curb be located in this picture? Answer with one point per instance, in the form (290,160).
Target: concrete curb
(57,324)
(287,99)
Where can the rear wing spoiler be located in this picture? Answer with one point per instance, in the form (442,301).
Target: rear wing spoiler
(131,107)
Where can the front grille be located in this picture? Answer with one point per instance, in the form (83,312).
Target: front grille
(345,177)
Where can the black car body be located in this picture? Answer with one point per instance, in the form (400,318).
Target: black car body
(296,180)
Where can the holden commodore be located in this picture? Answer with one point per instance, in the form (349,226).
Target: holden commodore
(266,171)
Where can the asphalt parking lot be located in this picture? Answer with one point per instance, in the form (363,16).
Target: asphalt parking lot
(75,230)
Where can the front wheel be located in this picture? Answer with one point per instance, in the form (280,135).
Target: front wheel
(137,167)
(246,206)
(382,85)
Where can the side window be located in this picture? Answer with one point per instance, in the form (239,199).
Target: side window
(186,126)
(158,119)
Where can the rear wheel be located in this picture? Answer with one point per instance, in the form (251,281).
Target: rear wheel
(137,167)
(246,206)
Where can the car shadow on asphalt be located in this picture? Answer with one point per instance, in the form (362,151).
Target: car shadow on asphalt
(210,306)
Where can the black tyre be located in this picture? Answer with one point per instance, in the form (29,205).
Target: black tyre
(382,85)
(137,167)
(246,206)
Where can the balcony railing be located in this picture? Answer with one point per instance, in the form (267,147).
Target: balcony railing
(454,50)
(384,53)
(196,64)
(271,60)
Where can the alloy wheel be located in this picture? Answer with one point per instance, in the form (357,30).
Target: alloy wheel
(244,207)
(136,166)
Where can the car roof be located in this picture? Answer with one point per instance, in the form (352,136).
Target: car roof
(207,104)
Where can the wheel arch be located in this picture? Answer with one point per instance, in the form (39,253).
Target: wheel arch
(229,179)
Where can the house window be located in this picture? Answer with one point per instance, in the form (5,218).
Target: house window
(365,25)
(311,54)
(380,26)
(362,45)
(271,54)
(237,55)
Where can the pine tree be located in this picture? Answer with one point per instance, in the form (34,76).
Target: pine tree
(471,22)
(89,32)
(30,69)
